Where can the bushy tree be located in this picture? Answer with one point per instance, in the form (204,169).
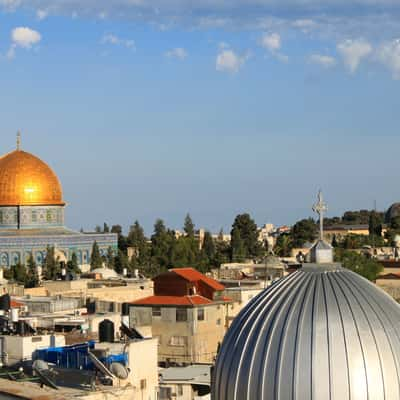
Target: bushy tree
(303,231)
(96,260)
(121,262)
(283,245)
(109,258)
(32,278)
(238,251)
(246,229)
(122,240)
(72,264)
(16,273)
(365,266)
(137,240)
(188,226)
(51,266)
(161,241)
(375,224)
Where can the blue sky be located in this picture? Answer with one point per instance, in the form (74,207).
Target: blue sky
(152,109)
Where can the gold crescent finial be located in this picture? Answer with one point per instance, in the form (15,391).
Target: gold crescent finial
(18,140)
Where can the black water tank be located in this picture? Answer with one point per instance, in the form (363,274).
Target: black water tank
(125,309)
(106,331)
(5,302)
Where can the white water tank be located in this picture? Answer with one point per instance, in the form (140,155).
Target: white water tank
(14,315)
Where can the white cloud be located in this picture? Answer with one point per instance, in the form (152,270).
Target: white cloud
(110,38)
(271,41)
(304,23)
(22,37)
(389,55)
(323,60)
(353,52)
(25,37)
(42,14)
(178,52)
(229,61)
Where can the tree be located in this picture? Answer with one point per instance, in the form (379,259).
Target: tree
(303,231)
(222,250)
(121,262)
(209,247)
(122,241)
(106,228)
(238,251)
(96,260)
(161,245)
(283,245)
(334,241)
(136,236)
(110,258)
(188,226)
(375,224)
(365,266)
(32,278)
(72,264)
(245,228)
(51,266)
(17,273)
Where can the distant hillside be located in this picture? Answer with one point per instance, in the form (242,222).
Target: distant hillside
(354,218)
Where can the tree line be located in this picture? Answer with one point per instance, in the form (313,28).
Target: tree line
(165,248)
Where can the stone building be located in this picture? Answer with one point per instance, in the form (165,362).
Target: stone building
(187,314)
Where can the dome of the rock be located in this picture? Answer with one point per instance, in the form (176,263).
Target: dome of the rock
(321,333)
(25,180)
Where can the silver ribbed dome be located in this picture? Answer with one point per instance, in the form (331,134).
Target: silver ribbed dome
(322,333)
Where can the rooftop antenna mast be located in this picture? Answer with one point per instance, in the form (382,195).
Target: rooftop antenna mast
(320,207)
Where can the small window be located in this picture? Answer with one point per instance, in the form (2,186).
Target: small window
(179,341)
(219,321)
(49,216)
(181,315)
(34,216)
(180,390)
(156,312)
(200,314)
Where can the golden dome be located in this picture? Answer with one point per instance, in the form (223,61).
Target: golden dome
(25,180)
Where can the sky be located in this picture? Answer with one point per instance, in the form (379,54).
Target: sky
(153,109)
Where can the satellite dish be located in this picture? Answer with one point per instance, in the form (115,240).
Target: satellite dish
(40,365)
(119,370)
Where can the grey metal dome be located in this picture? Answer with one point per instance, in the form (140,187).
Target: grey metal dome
(322,333)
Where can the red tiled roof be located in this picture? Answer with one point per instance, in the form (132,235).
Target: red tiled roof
(16,304)
(192,275)
(173,300)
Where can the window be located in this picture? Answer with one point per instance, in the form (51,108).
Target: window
(49,216)
(181,314)
(200,314)
(156,311)
(34,216)
(180,390)
(179,341)
(219,321)
(165,393)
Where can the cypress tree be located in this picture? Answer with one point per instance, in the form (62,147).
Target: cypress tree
(96,260)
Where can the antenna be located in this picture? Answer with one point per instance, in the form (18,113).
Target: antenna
(18,140)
